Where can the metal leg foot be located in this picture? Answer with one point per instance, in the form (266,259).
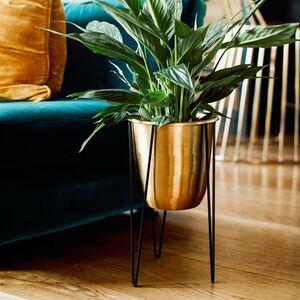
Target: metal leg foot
(211,202)
(157,252)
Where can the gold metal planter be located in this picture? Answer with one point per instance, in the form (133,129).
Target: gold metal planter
(177,178)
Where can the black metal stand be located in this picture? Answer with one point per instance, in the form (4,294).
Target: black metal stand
(135,266)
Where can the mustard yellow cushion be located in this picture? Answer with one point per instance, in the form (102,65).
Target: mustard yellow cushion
(32,60)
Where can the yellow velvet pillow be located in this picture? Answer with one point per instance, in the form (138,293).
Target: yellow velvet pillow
(32,60)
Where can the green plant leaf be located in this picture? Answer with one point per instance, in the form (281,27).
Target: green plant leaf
(140,29)
(208,58)
(191,45)
(144,114)
(115,118)
(208,85)
(75,25)
(214,95)
(224,82)
(163,14)
(101,43)
(207,107)
(182,29)
(179,75)
(163,120)
(155,98)
(160,14)
(223,73)
(107,28)
(265,37)
(98,127)
(110,110)
(134,5)
(119,72)
(110,115)
(214,33)
(142,83)
(175,7)
(111,96)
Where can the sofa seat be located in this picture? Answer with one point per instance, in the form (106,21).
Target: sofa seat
(47,185)
(34,133)
(56,198)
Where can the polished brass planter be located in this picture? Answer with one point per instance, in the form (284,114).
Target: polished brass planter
(177,177)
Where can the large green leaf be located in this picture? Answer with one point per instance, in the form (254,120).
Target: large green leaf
(218,93)
(144,114)
(143,84)
(214,33)
(265,37)
(191,45)
(140,29)
(119,72)
(163,120)
(163,14)
(160,14)
(107,28)
(179,75)
(207,58)
(222,83)
(134,5)
(112,96)
(115,118)
(98,128)
(175,7)
(110,110)
(156,98)
(101,43)
(182,29)
(208,85)
(110,115)
(206,107)
(123,97)
(223,73)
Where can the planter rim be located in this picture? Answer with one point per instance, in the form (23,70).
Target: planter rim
(209,121)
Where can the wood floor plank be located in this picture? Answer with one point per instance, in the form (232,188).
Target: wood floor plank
(257,249)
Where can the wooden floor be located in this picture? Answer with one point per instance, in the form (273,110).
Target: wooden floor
(257,249)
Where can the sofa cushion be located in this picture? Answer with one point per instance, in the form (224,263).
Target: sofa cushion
(31,60)
(50,133)
(23,113)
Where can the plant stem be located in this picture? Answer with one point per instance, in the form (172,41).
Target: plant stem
(181,108)
(175,49)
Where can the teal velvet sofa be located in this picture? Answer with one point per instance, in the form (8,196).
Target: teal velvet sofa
(46,185)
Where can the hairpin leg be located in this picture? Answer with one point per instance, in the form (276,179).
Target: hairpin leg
(157,252)
(131,168)
(135,271)
(214,198)
(211,211)
(210,206)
